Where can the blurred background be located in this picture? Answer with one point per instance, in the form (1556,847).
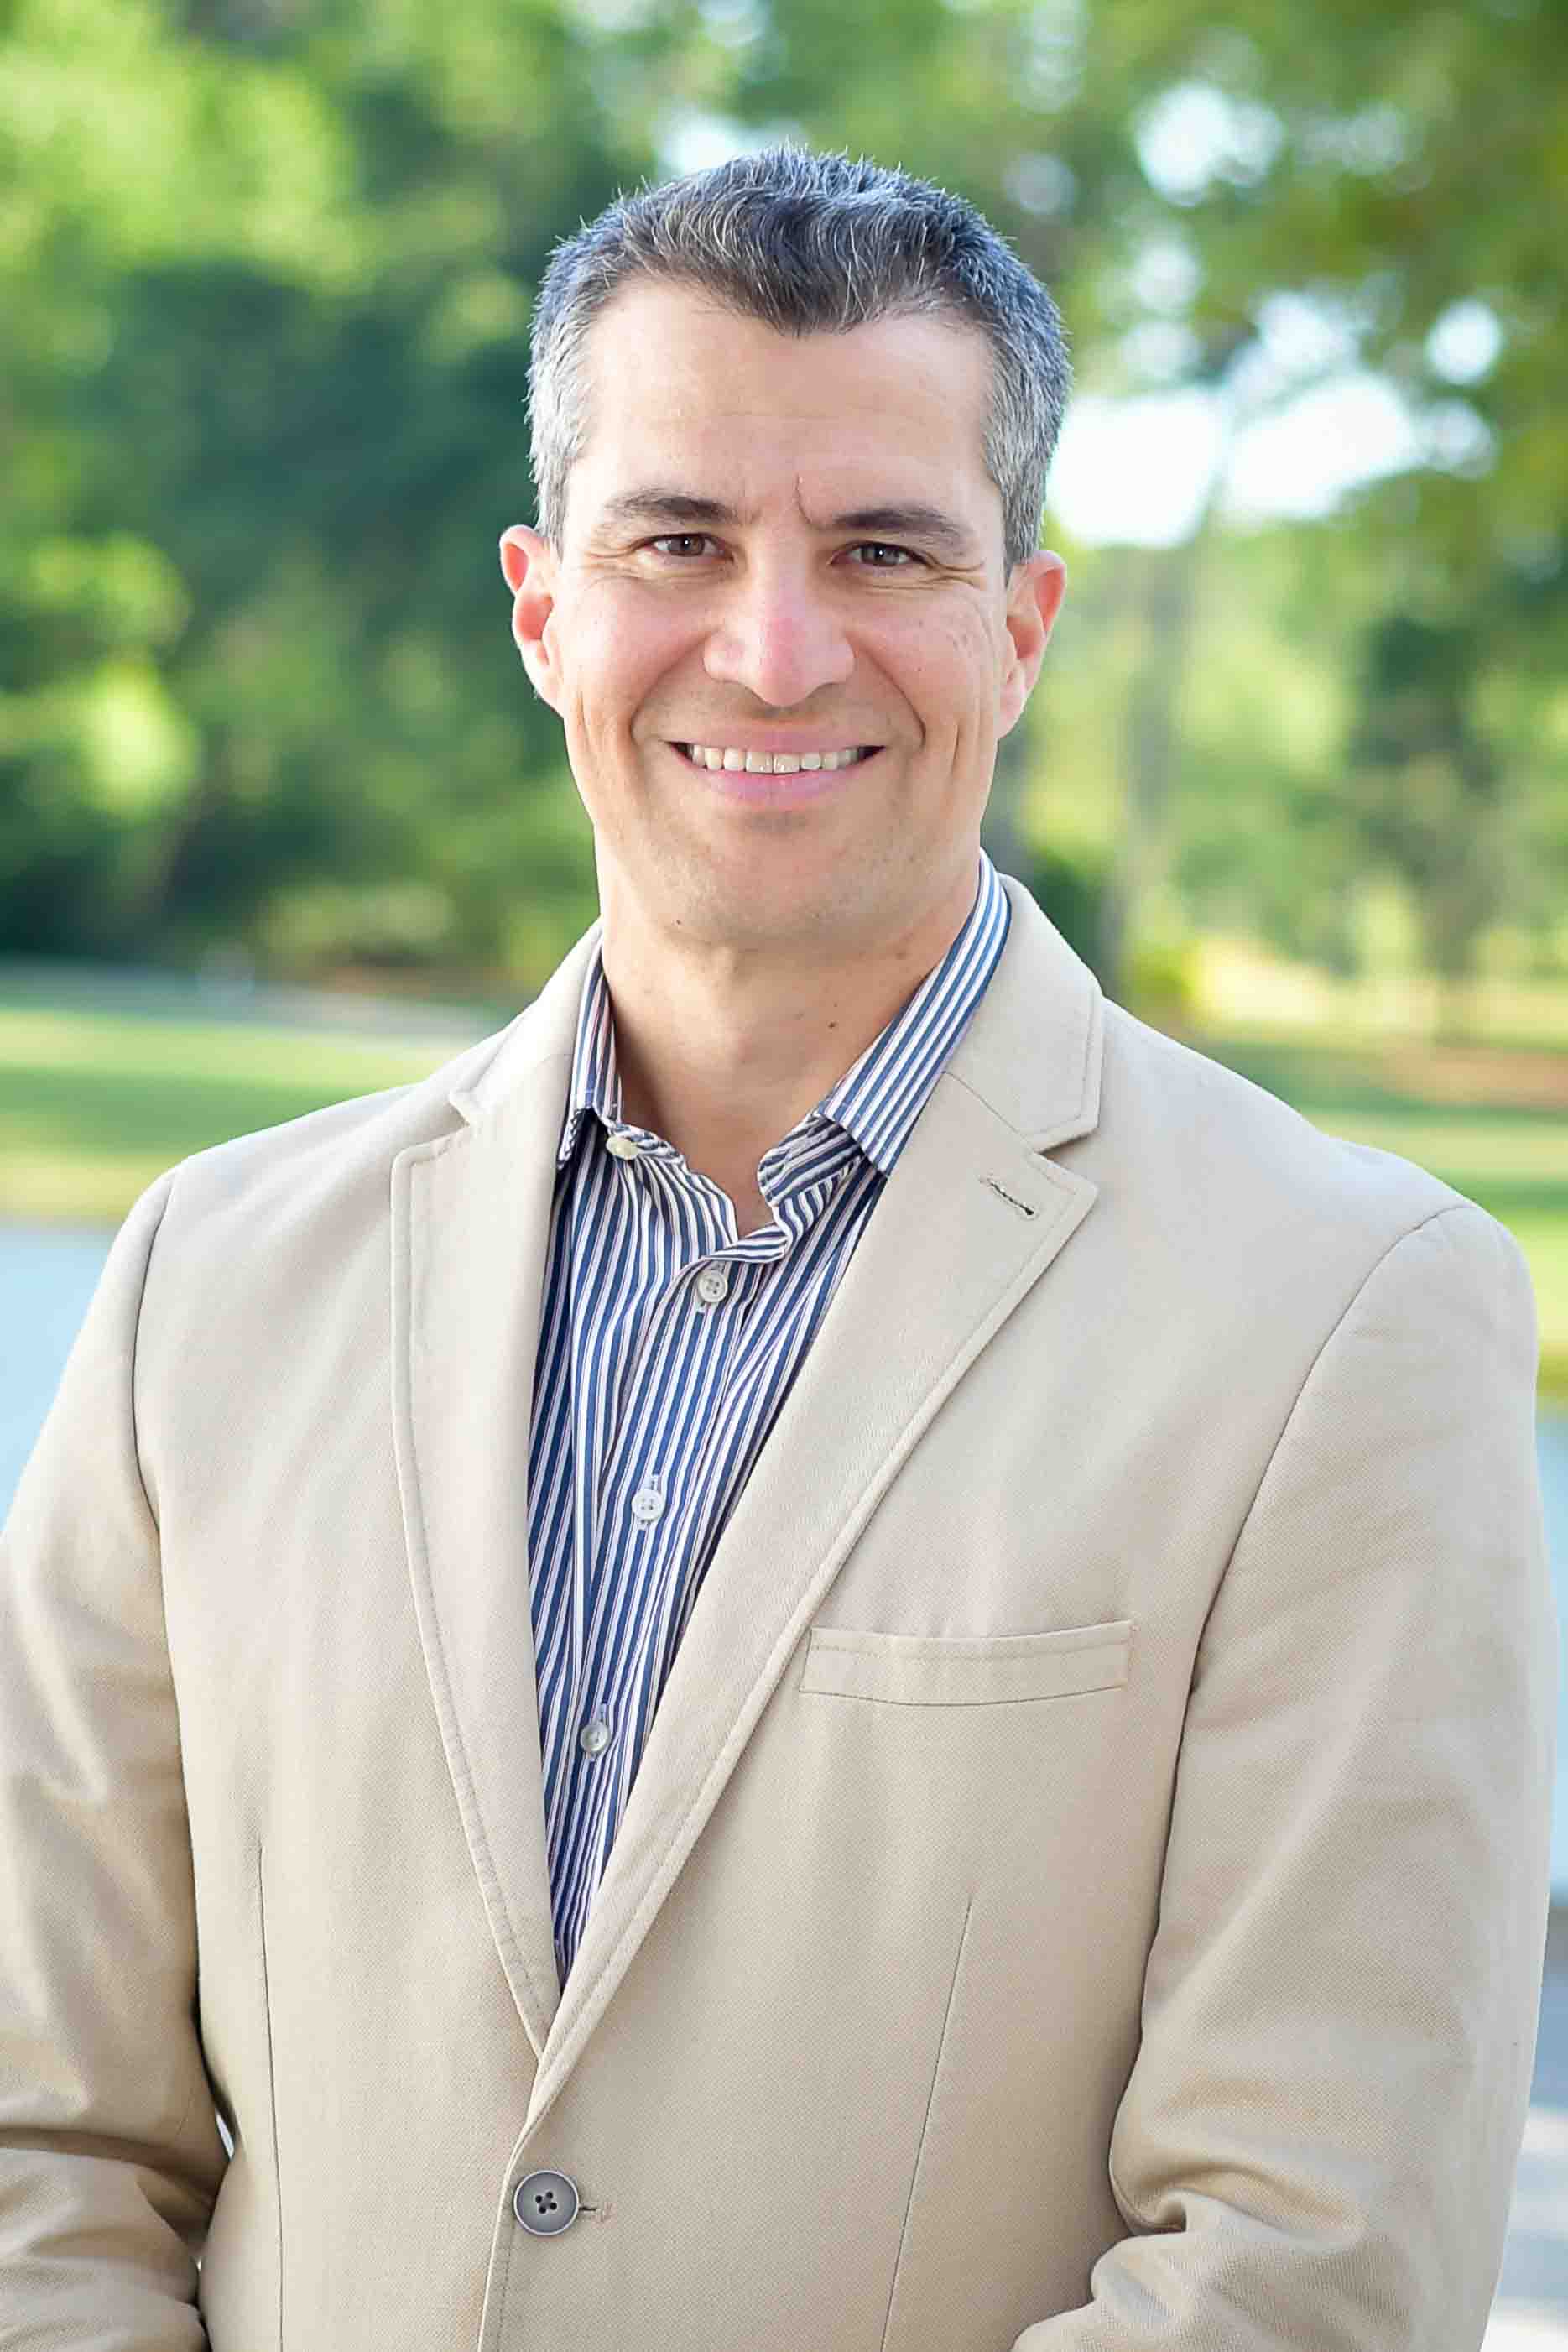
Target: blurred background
(280,821)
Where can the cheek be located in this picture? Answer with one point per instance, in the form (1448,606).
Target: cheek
(952,675)
(961,643)
(978,650)
(616,648)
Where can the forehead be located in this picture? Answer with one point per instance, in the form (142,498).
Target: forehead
(684,393)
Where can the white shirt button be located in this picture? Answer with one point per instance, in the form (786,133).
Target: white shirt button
(647,1504)
(713,1284)
(622,1147)
(594,1737)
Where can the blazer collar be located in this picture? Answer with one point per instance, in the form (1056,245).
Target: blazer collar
(1034,1049)
(543,1031)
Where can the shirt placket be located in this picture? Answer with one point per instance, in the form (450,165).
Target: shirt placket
(649,1459)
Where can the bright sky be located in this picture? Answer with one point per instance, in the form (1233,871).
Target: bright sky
(1141,470)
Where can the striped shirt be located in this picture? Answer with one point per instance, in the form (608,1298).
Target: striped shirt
(667,1345)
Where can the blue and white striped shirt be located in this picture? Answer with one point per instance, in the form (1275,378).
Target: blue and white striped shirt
(667,1344)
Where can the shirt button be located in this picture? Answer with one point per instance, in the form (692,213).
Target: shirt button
(647,1504)
(713,1284)
(622,1147)
(594,1737)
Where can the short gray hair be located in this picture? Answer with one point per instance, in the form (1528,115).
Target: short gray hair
(808,244)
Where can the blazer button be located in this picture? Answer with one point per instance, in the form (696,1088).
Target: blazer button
(545,2203)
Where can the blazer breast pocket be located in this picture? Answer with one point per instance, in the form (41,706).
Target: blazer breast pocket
(986,1670)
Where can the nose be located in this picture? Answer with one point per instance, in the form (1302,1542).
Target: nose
(779,638)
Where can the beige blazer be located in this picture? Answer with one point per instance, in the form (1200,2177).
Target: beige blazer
(1085,1883)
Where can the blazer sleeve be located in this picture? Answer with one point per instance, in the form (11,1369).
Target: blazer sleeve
(1318,2138)
(110,2152)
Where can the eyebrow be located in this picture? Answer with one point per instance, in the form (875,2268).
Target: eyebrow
(678,510)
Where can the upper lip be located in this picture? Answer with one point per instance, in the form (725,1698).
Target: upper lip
(822,740)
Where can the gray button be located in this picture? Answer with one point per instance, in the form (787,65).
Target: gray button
(622,1147)
(594,1737)
(713,1284)
(545,2203)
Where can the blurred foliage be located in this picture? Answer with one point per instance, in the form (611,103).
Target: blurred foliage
(267,269)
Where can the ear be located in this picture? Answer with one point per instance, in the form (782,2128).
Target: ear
(528,568)
(1034,599)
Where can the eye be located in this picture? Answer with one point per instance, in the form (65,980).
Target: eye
(682,545)
(880,556)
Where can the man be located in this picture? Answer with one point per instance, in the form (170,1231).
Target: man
(829,1653)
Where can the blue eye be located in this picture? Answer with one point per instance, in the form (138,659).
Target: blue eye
(879,548)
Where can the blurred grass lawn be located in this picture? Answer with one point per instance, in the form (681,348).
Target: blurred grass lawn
(94,1105)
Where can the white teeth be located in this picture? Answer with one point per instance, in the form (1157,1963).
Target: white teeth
(772,763)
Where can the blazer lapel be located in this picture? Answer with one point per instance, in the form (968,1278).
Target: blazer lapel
(976,1207)
(471,1216)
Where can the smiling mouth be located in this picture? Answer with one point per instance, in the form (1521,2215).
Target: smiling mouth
(774,764)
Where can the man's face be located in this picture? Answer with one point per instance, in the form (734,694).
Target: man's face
(779,550)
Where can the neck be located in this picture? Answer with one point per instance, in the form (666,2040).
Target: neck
(723,1046)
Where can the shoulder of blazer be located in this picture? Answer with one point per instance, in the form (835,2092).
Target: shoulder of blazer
(344,1141)
(301,1202)
(348,1149)
(1179,1126)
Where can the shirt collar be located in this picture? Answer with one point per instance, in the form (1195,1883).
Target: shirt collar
(595,1079)
(881,1096)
